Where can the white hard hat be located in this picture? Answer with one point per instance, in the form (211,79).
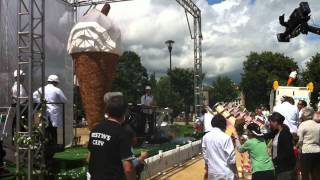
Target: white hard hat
(53,78)
(148,87)
(15,73)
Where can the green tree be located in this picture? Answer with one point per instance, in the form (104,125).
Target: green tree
(312,74)
(163,96)
(223,89)
(260,70)
(131,77)
(182,85)
(181,96)
(153,80)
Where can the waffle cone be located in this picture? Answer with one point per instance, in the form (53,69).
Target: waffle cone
(95,72)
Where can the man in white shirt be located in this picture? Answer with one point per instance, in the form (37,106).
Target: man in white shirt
(290,112)
(54,98)
(23,100)
(14,89)
(147,103)
(301,105)
(218,152)
(206,121)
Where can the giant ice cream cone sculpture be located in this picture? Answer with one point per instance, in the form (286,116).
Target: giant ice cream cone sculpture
(292,77)
(94,44)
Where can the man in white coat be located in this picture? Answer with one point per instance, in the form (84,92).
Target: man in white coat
(290,112)
(54,98)
(23,101)
(14,89)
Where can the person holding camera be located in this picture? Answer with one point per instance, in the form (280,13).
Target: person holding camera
(137,162)
(110,156)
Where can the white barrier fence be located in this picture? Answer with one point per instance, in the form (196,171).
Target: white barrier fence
(164,160)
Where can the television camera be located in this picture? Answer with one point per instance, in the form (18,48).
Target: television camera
(140,127)
(297,23)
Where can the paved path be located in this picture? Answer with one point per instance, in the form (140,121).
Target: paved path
(192,170)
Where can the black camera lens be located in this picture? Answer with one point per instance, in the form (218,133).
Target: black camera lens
(283,38)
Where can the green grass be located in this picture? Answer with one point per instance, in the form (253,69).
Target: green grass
(72,154)
(182,130)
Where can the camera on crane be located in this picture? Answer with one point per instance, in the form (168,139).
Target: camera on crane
(297,23)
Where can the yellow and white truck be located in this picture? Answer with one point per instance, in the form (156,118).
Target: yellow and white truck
(297,93)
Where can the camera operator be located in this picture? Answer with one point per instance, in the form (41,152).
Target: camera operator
(110,155)
(138,162)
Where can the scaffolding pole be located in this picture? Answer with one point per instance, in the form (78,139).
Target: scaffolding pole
(31,56)
(192,9)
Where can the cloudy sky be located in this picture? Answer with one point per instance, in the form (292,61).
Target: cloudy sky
(231,29)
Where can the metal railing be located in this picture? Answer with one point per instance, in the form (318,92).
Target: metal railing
(165,160)
(8,113)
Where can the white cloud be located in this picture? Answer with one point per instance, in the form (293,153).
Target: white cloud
(231,29)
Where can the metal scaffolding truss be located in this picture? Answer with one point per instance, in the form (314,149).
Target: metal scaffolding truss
(31,58)
(190,8)
(79,3)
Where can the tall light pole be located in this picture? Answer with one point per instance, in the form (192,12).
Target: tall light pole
(170,43)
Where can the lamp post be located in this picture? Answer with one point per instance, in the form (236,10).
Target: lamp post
(170,43)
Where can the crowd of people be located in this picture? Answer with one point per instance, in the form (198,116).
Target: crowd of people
(286,146)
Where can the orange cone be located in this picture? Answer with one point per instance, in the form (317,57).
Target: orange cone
(290,81)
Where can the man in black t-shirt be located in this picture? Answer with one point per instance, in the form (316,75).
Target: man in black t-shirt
(110,155)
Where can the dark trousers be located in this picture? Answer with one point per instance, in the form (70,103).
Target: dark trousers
(310,166)
(23,119)
(263,175)
(53,131)
(148,118)
(2,154)
(51,145)
(286,175)
(141,125)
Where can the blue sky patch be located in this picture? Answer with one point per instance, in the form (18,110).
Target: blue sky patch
(252,1)
(211,2)
(312,37)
